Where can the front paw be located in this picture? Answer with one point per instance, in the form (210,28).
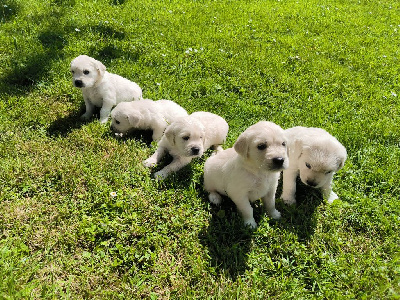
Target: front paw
(332,197)
(103,120)
(215,198)
(160,175)
(289,200)
(251,223)
(275,214)
(150,162)
(86,116)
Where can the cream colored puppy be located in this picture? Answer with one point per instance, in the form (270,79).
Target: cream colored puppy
(145,114)
(249,171)
(186,138)
(315,155)
(100,88)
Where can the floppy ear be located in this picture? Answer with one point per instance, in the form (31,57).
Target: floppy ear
(170,134)
(100,68)
(341,159)
(133,119)
(299,147)
(241,145)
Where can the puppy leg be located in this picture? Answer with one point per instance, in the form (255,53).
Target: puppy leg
(244,207)
(289,186)
(155,158)
(269,204)
(105,111)
(176,164)
(89,109)
(328,194)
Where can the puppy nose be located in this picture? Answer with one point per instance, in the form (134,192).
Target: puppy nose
(311,183)
(195,150)
(278,161)
(78,83)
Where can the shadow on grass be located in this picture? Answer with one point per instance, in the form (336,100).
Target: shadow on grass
(227,239)
(62,127)
(300,218)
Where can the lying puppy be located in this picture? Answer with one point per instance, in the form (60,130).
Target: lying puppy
(100,88)
(315,155)
(249,171)
(145,114)
(186,138)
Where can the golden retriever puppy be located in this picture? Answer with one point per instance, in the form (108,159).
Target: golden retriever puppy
(315,155)
(186,138)
(145,114)
(100,88)
(249,171)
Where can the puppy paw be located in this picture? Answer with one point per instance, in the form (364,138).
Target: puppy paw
(215,198)
(251,223)
(332,197)
(85,116)
(288,200)
(103,120)
(160,175)
(149,163)
(275,214)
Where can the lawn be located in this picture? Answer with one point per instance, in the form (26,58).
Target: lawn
(332,64)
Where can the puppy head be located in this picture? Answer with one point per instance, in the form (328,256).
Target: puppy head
(263,146)
(319,160)
(123,119)
(86,71)
(187,136)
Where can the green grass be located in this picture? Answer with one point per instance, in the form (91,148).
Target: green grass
(332,64)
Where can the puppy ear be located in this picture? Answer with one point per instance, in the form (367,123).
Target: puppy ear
(100,68)
(170,134)
(241,145)
(341,159)
(299,147)
(133,119)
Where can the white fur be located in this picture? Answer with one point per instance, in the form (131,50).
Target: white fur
(100,88)
(315,155)
(249,171)
(186,138)
(145,114)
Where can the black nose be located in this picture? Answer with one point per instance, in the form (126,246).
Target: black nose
(278,161)
(195,150)
(311,183)
(78,83)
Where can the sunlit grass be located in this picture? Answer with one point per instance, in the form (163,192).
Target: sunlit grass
(80,217)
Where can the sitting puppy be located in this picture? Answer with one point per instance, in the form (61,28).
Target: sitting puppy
(100,88)
(315,155)
(145,114)
(249,171)
(186,138)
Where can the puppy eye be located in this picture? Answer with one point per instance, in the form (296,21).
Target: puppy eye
(86,72)
(185,138)
(118,122)
(308,165)
(262,146)
(284,144)
(328,172)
